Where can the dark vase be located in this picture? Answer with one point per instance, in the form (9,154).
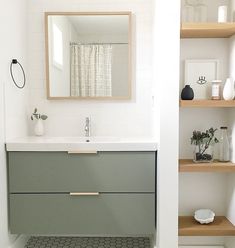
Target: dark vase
(187,93)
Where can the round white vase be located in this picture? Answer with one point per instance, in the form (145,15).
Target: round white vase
(228,91)
(39,128)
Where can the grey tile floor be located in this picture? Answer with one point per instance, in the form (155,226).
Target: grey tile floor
(87,242)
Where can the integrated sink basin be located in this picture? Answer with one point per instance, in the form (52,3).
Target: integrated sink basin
(82,139)
(81,144)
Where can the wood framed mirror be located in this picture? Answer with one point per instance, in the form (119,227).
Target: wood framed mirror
(88,55)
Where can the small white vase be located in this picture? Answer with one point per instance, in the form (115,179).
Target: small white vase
(228,91)
(39,128)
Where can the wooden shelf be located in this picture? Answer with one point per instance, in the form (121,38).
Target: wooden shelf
(207,30)
(207,103)
(187,165)
(221,226)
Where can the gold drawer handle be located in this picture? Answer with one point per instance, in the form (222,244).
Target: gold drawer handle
(82,152)
(83,193)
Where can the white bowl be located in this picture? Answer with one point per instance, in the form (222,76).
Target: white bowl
(204,216)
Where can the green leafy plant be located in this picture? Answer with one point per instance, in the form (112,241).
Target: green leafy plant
(37,116)
(203,140)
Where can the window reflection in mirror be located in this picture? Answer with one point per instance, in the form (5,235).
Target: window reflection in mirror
(57,46)
(88,55)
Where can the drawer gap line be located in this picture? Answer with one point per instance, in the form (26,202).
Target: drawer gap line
(56,193)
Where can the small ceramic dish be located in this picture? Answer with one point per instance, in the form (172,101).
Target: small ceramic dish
(204,216)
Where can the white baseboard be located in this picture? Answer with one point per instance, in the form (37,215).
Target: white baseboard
(20,242)
(201,246)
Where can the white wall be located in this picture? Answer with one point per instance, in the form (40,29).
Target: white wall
(113,118)
(14,44)
(166,68)
(202,190)
(13,102)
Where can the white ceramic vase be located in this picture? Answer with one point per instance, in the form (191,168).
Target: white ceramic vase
(228,91)
(39,128)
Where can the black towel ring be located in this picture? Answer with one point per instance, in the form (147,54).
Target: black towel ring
(14,61)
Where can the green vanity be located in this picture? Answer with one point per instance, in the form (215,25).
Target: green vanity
(82,192)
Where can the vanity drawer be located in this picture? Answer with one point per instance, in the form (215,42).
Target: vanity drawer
(63,172)
(104,214)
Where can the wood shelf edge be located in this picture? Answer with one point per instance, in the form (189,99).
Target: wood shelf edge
(187,165)
(207,30)
(207,103)
(220,227)
(207,25)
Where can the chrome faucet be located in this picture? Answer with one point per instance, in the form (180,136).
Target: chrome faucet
(88,127)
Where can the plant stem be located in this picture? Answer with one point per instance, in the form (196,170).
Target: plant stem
(207,145)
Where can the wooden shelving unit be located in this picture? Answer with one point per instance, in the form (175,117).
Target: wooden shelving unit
(207,103)
(187,165)
(207,30)
(220,227)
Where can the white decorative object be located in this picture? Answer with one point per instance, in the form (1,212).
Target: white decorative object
(194,11)
(39,128)
(228,91)
(200,11)
(215,89)
(205,69)
(204,216)
(222,13)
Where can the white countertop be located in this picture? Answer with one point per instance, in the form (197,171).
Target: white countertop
(76,144)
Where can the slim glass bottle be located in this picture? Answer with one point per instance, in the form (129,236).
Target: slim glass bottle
(200,9)
(224,145)
(187,12)
(215,89)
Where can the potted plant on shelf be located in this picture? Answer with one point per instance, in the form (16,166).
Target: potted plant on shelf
(204,145)
(38,128)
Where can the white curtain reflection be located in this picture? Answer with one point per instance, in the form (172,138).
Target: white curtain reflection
(91,70)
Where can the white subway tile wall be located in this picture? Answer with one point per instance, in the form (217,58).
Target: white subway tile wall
(112,118)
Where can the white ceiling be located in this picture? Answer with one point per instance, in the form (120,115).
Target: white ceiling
(105,24)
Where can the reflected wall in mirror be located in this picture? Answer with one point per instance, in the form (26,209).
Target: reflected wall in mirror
(88,55)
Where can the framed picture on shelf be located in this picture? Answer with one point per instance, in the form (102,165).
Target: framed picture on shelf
(199,74)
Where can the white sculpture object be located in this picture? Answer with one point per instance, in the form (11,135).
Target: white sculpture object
(204,216)
(228,91)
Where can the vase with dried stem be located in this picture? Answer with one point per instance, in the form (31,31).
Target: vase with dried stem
(204,145)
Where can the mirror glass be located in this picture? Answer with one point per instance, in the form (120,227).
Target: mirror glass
(88,55)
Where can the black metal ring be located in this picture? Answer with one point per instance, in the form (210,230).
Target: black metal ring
(14,61)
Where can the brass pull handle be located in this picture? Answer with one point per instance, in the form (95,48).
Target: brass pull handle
(84,193)
(82,152)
